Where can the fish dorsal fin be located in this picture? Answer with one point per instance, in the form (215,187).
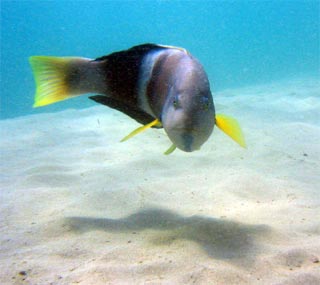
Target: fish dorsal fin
(141,129)
(173,47)
(231,127)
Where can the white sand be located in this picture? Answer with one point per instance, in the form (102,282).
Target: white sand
(78,207)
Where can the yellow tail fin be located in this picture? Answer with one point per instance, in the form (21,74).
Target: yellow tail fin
(50,74)
(231,127)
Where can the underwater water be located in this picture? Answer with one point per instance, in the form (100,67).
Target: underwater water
(79,207)
(239,43)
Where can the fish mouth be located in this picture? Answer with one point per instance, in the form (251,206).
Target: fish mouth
(183,130)
(185,140)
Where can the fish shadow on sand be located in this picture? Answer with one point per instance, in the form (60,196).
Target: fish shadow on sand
(220,238)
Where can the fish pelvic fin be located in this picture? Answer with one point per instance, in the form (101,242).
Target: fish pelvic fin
(231,127)
(139,130)
(170,150)
(55,78)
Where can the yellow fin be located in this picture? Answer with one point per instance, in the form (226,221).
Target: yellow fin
(50,77)
(170,150)
(141,129)
(231,127)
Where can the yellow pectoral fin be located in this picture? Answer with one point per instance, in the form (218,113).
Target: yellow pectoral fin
(141,129)
(170,150)
(231,127)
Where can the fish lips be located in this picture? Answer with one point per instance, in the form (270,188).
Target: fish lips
(187,139)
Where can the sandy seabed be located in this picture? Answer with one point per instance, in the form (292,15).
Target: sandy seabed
(78,207)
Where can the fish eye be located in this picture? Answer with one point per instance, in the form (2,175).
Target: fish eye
(175,102)
(205,103)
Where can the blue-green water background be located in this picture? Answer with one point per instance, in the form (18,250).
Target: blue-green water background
(239,42)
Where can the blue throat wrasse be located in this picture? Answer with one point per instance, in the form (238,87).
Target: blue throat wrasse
(158,86)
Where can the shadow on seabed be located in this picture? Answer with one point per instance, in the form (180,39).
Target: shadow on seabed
(220,238)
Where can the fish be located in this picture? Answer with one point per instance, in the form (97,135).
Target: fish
(158,86)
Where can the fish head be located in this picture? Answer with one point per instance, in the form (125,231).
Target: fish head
(188,116)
